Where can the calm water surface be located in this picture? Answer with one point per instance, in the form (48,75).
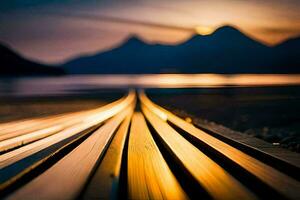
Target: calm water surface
(70,84)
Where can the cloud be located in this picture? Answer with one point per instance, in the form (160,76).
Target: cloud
(112,19)
(279,30)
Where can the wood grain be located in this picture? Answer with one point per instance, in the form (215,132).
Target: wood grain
(105,182)
(66,179)
(267,174)
(149,176)
(212,177)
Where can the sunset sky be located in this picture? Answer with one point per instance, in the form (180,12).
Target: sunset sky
(55,31)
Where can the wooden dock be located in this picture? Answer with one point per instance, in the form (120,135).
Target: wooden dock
(135,149)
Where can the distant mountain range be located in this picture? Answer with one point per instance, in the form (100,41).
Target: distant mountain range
(12,64)
(226,51)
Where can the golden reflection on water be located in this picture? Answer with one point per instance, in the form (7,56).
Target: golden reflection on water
(66,84)
(177,80)
(200,80)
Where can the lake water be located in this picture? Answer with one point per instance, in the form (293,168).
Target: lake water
(70,84)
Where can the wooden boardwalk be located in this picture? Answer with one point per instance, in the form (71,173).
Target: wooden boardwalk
(117,152)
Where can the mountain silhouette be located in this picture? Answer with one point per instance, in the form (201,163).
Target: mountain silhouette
(12,64)
(227,50)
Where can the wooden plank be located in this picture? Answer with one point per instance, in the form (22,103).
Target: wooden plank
(25,127)
(272,177)
(13,173)
(105,182)
(91,120)
(28,138)
(16,129)
(32,148)
(10,126)
(13,126)
(212,177)
(21,127)
(282,159)
(66,179)
(47,128)
(149,176)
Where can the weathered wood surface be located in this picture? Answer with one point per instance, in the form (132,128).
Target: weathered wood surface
(267,174)
(151,154)
(66,179)
(149,176)
(212,177)
(106,181)
(17,163)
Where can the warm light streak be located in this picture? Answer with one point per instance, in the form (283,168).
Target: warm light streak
(155,80)
(146,102)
